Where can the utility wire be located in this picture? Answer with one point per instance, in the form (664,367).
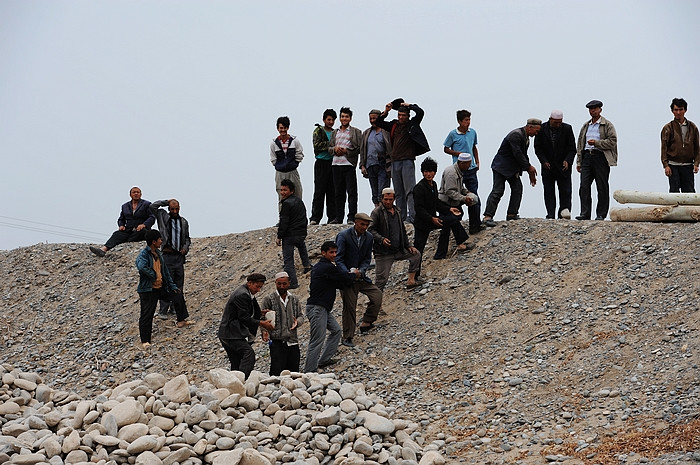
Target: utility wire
(57,233)
(50,225)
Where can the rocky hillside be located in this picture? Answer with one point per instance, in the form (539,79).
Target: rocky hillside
(559,341)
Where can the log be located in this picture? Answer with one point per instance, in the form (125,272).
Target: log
(657,214)
(656,198)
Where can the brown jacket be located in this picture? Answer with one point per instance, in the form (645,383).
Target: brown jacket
(677,149)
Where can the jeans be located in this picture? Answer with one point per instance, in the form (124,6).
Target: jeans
(350,294)
(288,246)
(681,179)
(383,265)
(321,319)
(562,179)
(471,182)
(499,188)
(283,357)
(403,175)
(594,167)
(450,222)
(323,188)
(379,179)
(241,355)
(345,180)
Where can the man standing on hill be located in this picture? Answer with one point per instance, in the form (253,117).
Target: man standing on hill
(407,142)
(680,149)
(291,232)
(323,174)
(507,166)
(240,322)
(375,157)
(175,231)
(354,256)
(345,147)
(597,152)
(286,153)
(556,148)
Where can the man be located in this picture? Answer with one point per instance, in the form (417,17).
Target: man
(391,241)
(680,149)
(375,157)
(291,232)
(240,322)
(286,153)
(354,256)
(284,342)
(134,220)
(323,174)
(507,166)
(325,279)
(463,140)
(155,283)
(175,231)
(345,147)
(597,152)
(555,147)
(407,142)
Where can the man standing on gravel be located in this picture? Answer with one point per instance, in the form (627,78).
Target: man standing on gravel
(292,229)
(325,279)
(175,231)
(375,157)
(239,323)
(354,256)
(287,316)
(680,149)
(286,153)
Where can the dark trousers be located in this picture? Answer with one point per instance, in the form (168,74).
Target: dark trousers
(450,223)
(562,179)
(379,180)
(288,246)
(130,235)
(682,179)
(149,300)
(471,182)
(350,295)
(175,262)
(345,180)
(283,357)
(241,355)
(323,188)
(594,167)
(499,188)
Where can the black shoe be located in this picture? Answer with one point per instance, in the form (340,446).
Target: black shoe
(582,218)
(600,218)
(97,251)
(366,329)
(334,221)
(307,269)
(163,315)
(347,343)
(490,223)
(330,362)
(512,217)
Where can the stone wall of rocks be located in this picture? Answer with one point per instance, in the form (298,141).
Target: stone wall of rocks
(294,418)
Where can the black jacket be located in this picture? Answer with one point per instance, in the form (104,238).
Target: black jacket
(241,315)
(427,205)
(414,131)
(565,149)
(292,218)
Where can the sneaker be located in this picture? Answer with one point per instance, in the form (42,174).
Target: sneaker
(97,251)
(347,343)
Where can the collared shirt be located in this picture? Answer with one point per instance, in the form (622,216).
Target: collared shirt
(282,299)
(593,132)
(376,148)
(463,142)
(342,139)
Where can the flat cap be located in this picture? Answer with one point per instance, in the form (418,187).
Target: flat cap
(594,104)
(362,216)
(534,122)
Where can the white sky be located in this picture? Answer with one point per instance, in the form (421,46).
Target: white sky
(181,97)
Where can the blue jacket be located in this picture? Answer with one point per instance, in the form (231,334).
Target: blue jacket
(131,218)
(286,162)
(144,263)
(325,279)
(511,158)
(350,255)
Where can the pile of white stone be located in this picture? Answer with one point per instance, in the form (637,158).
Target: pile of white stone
(294,418)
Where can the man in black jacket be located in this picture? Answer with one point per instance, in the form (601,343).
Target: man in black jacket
(555,147)
(240,322)
(291,232)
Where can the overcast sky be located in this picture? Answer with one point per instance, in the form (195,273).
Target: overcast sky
(181,97)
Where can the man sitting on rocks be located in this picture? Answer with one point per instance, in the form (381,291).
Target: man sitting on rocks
(284,342)
(240,322)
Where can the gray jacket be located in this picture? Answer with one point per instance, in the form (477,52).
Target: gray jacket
(355,143)
(607,143)
(452,190)
(363,146)
(284,316)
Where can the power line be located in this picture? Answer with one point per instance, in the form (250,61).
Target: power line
(57,233)
(50,225)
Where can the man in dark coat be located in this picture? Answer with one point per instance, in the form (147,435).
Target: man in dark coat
(291,232)
(555,147)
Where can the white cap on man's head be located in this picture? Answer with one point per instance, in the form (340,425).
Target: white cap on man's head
(281,274)
(557,114)
(464,156)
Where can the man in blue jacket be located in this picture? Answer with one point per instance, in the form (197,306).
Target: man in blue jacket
(354,256)
(286,153)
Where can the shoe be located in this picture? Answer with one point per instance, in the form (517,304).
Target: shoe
(490,223)
(548,217)
(351,222)
(347,343)
(163,315)
(334,221)
(512,217)
(97,251)
(145,345)
(182,324)
(412,286)
(330,362)
(313,223)
(565,214)
(307,269)
(464,246)
(600,218)
(366,329)
(582,218)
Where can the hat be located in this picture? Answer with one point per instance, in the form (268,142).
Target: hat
(374,111)
(464,156)
(388,190)
(363,216)
(281,274)
(534,122)
(556,114)
(396,103)
(594,104)
(256,278)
